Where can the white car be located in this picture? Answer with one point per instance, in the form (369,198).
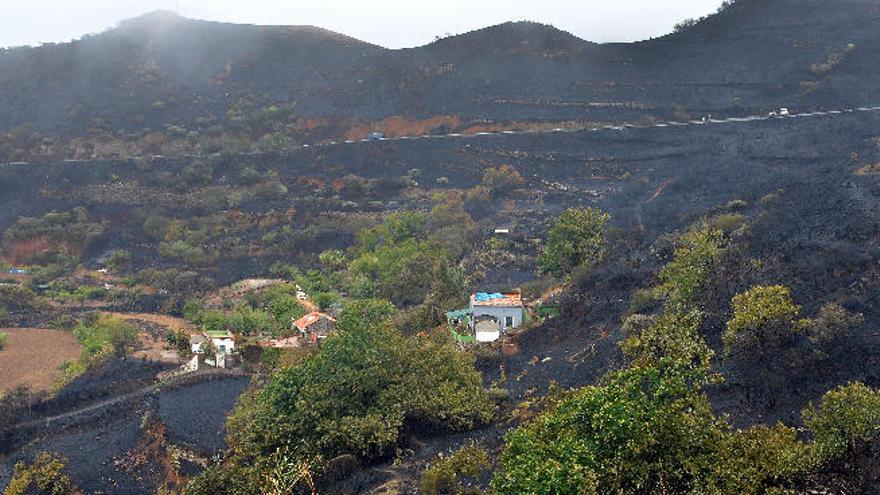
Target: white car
(784,112)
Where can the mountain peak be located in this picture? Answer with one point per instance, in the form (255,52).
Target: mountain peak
(512,37)
(153,18)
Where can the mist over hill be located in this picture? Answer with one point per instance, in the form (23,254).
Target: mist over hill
(161,69)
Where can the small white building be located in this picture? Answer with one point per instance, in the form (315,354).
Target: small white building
(197,342)
(494,313)
(223,343)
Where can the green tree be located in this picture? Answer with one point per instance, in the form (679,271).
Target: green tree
(4,338)
(577,239)
(671,335)
(763,318)
(688,272)
(845,418)
(105,334)
(356,395)
(645,430)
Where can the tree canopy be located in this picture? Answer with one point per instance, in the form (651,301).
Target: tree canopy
(578,238)
(358,392)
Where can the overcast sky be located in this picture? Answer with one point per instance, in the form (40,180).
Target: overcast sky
(390,23)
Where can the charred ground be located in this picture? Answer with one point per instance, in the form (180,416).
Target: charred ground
(806,191)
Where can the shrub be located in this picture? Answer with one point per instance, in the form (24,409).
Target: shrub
(634,434)
(671,335)
(4,337)
(578,238)
(18,298)
(763,318)
(281,303)
(106,331)
(14,405)
(226,480)
(444,475)
(845,418)
(401,263)
(834,322)
(728,222)
(688,272)
(325,299)
(502,179)
(647,430)
(46,474)
(119,259)
(641,300)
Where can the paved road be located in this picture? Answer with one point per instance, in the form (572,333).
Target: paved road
(731,120)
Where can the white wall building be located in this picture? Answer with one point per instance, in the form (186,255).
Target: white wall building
(505,309)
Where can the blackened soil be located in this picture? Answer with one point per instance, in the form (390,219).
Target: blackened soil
(196,415)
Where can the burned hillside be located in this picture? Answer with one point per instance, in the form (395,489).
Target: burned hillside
(286,257)
(162,84)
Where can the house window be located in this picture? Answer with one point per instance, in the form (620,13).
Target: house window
(508,321)
(221,348)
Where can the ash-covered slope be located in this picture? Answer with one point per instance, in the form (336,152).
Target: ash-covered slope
(162,69)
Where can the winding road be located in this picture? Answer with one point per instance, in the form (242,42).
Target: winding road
(621,127)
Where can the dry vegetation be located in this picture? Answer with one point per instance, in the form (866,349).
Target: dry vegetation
(32,357)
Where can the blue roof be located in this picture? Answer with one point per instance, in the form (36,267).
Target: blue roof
(483,296)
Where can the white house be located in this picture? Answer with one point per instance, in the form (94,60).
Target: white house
(196,341)
(223,343)
(494,313)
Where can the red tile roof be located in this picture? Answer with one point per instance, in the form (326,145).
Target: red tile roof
(310,319)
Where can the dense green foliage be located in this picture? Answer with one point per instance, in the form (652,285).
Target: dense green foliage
(763,317)
(688,272)
(502,179)
(671,335)
(651,430)
(645,430)
(356,395)
(845,418)
(4,338)
(269,311)
(400,261)
(105,333)
(577,239)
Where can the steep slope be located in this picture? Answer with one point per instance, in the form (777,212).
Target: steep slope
(161,69)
